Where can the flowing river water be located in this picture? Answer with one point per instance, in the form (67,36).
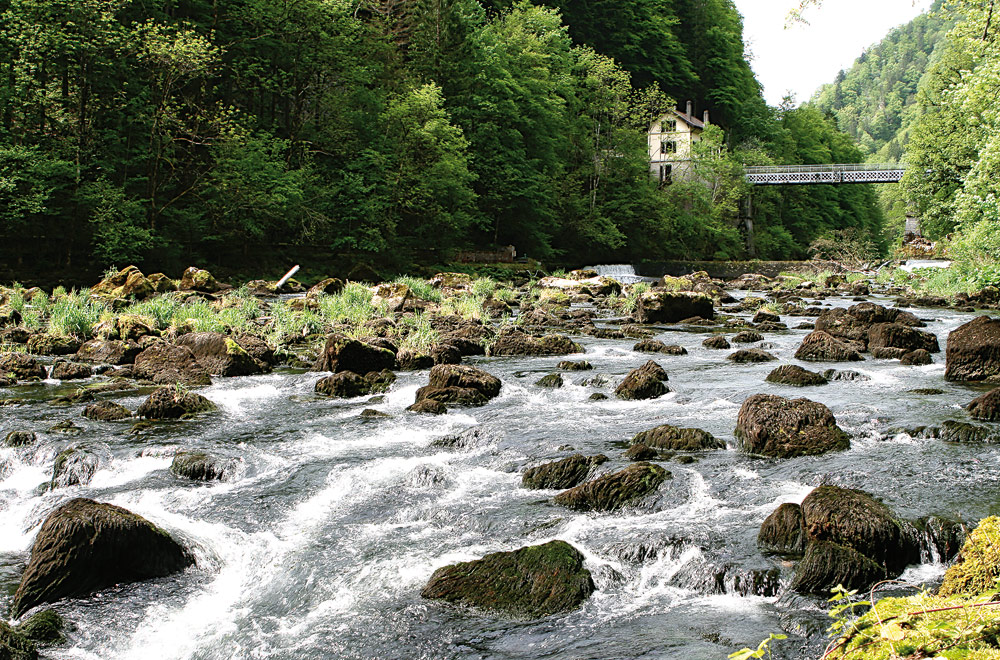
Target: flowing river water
(319,541)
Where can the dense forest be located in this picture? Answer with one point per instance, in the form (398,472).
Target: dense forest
(170,132)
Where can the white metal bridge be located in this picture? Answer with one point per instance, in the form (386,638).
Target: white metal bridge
(833,174)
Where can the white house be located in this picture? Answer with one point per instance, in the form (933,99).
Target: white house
(670,138)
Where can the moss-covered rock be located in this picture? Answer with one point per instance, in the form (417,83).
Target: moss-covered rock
(551,381)
(221,355)
(784,531)
(43,628)
(826,564)
(978,565)
(347,384)
(569,365)
(529,583)
(774,426)
(196,279)
(18,366)
(963,432)
(74,466)
(14,645)
(108,351)
(198,466)
(512,341)
(821,346)
(793,374)
(616,490)
(65,370)
(973,351)
(107,411)
(341,353)
(747,337)
(20,439)
(565,473)
(645,382)
(85,545)
(751,355)
(672,306)
(657,346)
(459,384)
(672,438)
(173,403)
(412,360)
(166,364)
(717,342)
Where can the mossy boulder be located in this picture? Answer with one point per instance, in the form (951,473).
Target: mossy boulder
(108,351)
(528,583)
(129,282)
(717,342)
(792,374)
(166,364)
(44,628)
(897,335)
(14,645)
(412,360)
(107,411)
(18,366)
(826,564)
(512,341)
(459,384)
(973,351)
(656,346)
(44,344)
(614,491)
(565,473)
(645,382)
(198,466)
(672,438)
(774,426)
(986,407)
(962,432)
(428,406)
(20,439)
(550,381)
(74,466)
(173,403)
(751,355)
(569,365)
(821,346)
(347,384)
(446,354)
(672,306)
(783,532)
(341,353)
(65,370)
(221,355)
(977,567)
(747,337)
(196,279)
(84,546)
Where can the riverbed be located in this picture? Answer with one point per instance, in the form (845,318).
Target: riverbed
(321,537)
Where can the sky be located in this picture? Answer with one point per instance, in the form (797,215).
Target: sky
(801,58)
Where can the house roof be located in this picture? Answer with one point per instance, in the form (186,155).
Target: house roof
(688,119)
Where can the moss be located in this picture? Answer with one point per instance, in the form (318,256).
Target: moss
(978,566)
(232,348)
(43,628)
(15,646)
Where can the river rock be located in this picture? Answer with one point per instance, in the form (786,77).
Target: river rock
(511,341)
(221,355)
(85,545)
(672,306)
(20,439)
(258,349)
(973,351)
(747,337)
(551,380)
(198,466)
(347,384)
(460,384)
(986,407)
(888,353)
(826,564)
(792,374)
(821,346)
(74,466)
(331,286)
(717,342)
(173,403)
(44,344)
(656,346)
(897,335)
(774,426)
(108,351)
(18,366)
(10,317)
(410,359)
(616,490)
(14,645)
(641,452)
(783,532)
(196,279)
(528,583)
(916,358)
(14,336)
(847,375)
(569,365)
(167,364)
(44,628)
(763,316)
(751,355)
(107,411)
(446,354)
(963,432)
(428,406)
(126,283)
(645,382)
(566,473)
(671,438)
(65,370)
(342,353)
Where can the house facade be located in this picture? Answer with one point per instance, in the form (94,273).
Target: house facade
(670,139)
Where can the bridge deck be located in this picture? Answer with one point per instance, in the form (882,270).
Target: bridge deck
(832,174)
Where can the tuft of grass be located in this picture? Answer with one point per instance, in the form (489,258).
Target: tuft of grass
(420,288)
(626,304)
(506,295)
(352,305)
(417,333)
(484,287)
(286,321)
(74,314)
(467,306)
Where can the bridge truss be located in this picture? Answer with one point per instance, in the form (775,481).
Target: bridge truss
(830,174)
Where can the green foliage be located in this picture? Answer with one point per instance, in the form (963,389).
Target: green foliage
(420,288)
(74,314)
(764,648)
(353,305)
(417,333)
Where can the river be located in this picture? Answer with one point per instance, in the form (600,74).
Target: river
(319,542)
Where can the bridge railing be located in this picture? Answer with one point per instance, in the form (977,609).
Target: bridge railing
(805,169)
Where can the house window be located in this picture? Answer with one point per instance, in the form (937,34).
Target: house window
(668,147)
(666,174)
(670,126)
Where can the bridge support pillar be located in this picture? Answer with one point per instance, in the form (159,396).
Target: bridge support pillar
(746,224)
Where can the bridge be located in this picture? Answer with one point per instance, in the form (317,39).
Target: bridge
(831,174)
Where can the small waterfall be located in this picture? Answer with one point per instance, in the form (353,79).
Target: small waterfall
(624,273)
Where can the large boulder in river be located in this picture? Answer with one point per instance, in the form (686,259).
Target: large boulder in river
(166,364)
(774,426)
(826,565)
(107,411)
(986,407)
(616,490)
(198,466)
(973,351)
(821,346)
(897,335)
(108,351)
(672,306)
(347,384)
(793,374)
(66,370)
(173,403)
(784,531)
(220,355)
(460,384)
(671,438)
(14,645)
(566,473)
(18,366)
(528,583)
(85,545)
(342,353)
(645,382)
(512,341)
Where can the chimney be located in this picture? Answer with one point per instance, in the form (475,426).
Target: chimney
(690,108)
(705,118)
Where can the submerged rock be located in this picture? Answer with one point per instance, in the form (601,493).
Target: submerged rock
(566,473)
(774,426)
(107,411)
(963,432)
(616,490)
(14,645)
(671,438)
(20,439)
(173,403)
(973,351)
(529,583)
(792,374)
(85,545)
(43,628)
